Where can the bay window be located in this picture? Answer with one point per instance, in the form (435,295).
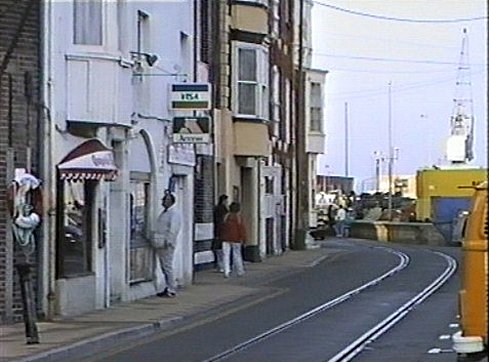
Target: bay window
(251,89)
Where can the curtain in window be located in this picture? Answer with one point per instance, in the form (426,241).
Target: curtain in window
(88,22)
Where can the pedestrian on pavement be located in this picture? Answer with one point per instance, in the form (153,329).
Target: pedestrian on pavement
(340,222)
(332,218)
(233,236)
(165,241)
(220,212)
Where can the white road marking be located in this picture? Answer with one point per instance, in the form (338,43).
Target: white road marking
(444,336)
(437,350)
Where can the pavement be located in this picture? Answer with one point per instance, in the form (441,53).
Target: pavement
(210,294)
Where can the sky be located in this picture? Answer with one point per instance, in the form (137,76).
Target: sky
(420,59)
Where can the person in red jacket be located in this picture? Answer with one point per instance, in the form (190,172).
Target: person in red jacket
(233,234)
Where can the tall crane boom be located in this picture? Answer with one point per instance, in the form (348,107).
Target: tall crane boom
(460,142)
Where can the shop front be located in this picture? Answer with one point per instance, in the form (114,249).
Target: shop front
(80,224)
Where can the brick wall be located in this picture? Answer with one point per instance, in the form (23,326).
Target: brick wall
(19,99)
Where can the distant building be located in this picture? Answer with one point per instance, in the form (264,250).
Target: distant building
(406,184)
(334,183)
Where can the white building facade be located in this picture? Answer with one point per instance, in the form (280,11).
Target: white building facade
(108,68)
(315,127)
(314,90)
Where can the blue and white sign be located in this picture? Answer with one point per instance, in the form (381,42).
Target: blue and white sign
(190,97)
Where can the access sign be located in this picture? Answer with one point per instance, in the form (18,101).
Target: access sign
(191,129)
(190,97)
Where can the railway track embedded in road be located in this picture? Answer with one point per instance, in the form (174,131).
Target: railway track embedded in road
(358,345)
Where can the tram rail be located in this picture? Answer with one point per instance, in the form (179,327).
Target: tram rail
(369,336)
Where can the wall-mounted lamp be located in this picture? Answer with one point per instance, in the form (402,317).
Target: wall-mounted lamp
(150,58)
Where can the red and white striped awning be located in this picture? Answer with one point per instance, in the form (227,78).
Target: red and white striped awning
(91,160)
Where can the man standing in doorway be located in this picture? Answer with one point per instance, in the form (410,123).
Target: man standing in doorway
(167,229)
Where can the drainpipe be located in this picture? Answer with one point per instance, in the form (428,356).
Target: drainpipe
(196,24)
(49,226)
(301,161)
(194,71)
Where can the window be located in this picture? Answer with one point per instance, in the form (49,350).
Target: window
(142,32)
(276,99)
(289,109)
(316,108)
(276,18)
(87,21)
(75,220)
(121,12)
(269,185)
(252,81)
(139,208)
(262,2)
(205,28)
(139,212)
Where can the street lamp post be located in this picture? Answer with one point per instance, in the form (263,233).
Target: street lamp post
(379,158)
(346,141)
(391,155)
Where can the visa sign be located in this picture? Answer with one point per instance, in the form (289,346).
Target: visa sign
(190,97)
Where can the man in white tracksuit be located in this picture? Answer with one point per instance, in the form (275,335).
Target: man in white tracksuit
(167,229)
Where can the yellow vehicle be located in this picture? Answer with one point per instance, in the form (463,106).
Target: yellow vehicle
(472,337)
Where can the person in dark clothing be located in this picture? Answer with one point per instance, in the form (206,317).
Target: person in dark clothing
(331,217)
(220,212)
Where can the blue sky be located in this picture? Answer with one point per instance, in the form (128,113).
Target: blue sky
(363,54)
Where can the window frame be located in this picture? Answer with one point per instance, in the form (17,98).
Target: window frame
(262,83)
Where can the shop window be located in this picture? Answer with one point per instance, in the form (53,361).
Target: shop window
(139,212)
(75,219)
(140,252)
(87,22)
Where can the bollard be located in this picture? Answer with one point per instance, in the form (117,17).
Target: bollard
(32,336)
